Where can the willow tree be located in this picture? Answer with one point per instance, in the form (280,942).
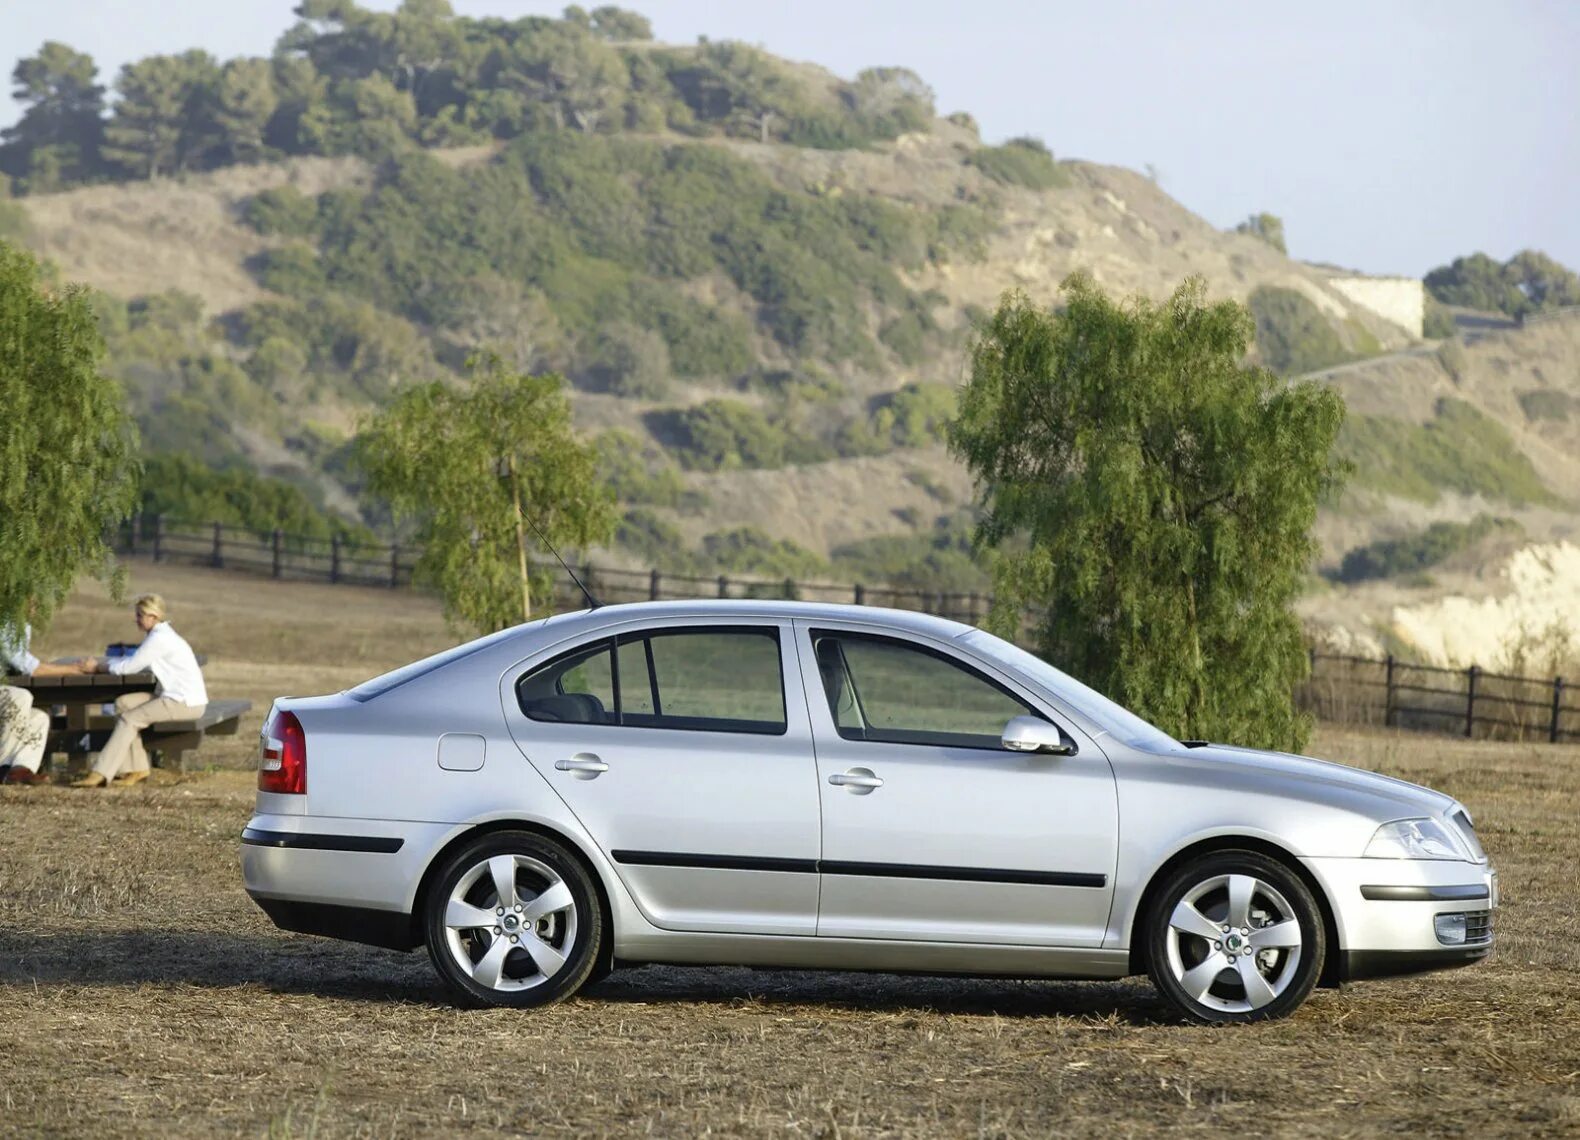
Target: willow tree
(1150,496)
(68,469)
(487,472)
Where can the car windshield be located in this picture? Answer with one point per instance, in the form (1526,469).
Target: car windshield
(395,678)
(1120,722)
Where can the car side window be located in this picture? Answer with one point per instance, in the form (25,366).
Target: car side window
(894,692)
(577,688)
(704,679)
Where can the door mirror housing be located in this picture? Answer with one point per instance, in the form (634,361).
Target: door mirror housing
(1029,734)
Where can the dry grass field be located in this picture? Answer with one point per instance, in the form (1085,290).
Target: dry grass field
(141,993)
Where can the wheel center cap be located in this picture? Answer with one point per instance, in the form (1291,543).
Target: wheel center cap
(511,922)
(1233,942)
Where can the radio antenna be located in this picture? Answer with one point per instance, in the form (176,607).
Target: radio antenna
(592,602)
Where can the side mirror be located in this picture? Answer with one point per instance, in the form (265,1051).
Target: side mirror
(1029,734)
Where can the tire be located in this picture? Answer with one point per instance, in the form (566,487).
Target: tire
(1270,959)
(537,947)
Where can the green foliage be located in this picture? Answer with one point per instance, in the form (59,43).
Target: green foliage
(653,541)
(1437,323)
(479,470)
(181,486)
(1460,450)
(67,451)
(162,122)
(722,434)
(916,415)
(1292,335)
(57,139)
(629,360)
(941,560)
(1265,227)
(639,475)
(1528,282)
(747,550)
(1548,404)
(1019,162)
(1152,496)
(1393,557)
(281,211)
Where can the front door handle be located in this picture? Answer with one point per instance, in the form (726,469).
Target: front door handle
(584,766)
(857,781)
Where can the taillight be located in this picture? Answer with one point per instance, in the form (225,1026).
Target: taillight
(283,765)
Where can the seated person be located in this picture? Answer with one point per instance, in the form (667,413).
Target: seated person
(181,695)
(24,730)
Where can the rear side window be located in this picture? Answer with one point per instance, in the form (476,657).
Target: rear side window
(894,692)
(702,680)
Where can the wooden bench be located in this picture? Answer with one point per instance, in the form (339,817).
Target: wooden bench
(167,742)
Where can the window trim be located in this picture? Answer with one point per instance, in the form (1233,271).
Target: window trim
(840,635)
(611,643)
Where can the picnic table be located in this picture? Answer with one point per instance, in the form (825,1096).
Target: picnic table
(79,726)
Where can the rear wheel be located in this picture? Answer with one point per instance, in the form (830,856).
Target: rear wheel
(513,919)
(1234,936)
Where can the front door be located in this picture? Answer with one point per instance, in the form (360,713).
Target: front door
(931,829)
(677,751)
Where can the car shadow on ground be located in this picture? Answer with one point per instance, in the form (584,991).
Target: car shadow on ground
(345,971)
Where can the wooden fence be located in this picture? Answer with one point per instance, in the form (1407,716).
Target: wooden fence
(300,558)
(1465,702)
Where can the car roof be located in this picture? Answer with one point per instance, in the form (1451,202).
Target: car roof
(726,609)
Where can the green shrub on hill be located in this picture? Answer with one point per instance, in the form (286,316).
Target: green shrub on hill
(1020,162)
(282,210)
(940,560)
(721,434)
(1547,404)
(1292,334)
(638,476)
(1392,557)
(1526,283)
(1460,450)
(180,486)
(747,550)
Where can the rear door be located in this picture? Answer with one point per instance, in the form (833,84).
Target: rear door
(676,748)
(931,829)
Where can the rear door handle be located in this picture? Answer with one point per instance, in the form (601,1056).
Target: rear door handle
(585,766)
(858,781)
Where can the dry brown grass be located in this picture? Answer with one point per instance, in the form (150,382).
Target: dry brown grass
(141,993)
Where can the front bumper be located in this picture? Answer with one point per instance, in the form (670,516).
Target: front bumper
(1385,910)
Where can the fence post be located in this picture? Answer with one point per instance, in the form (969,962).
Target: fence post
(394,564)
(860,594)
(334,558)
(159,537)
(1470,699)
(137,531)
(1558,697)
(724,586)
(217,558)
(1388,705)
(790,590)
(976,608)
(654,585)
(278,550)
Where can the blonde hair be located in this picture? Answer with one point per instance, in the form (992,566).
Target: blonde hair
(152,605)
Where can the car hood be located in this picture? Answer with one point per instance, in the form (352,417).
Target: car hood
(1322,781)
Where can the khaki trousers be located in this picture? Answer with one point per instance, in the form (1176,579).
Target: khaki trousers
(124,751)
(23,729)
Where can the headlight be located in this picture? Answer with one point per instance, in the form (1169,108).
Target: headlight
(1415,839)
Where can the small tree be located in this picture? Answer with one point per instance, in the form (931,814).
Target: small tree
(1153,496)
(1267,227)
(67,472)
(479,469)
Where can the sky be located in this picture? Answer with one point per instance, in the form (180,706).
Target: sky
(1390,135)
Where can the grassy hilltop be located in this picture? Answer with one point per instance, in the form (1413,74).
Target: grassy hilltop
(760,277)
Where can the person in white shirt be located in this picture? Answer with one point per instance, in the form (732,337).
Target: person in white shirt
(181,695)
(24,730)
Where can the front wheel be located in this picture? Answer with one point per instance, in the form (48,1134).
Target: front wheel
(512,919)
(1234,936)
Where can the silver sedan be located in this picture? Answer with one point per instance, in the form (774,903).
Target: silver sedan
(795,785)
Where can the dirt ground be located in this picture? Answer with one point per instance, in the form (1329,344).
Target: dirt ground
(141,992)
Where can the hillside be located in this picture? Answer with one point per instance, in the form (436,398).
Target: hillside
(760,278)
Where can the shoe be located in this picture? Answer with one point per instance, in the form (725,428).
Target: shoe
(22,776)
(127,779)
(91,780)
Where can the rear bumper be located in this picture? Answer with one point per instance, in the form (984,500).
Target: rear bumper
(390,929)
(350,864)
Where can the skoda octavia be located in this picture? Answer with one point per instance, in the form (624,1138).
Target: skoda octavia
(795,785)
